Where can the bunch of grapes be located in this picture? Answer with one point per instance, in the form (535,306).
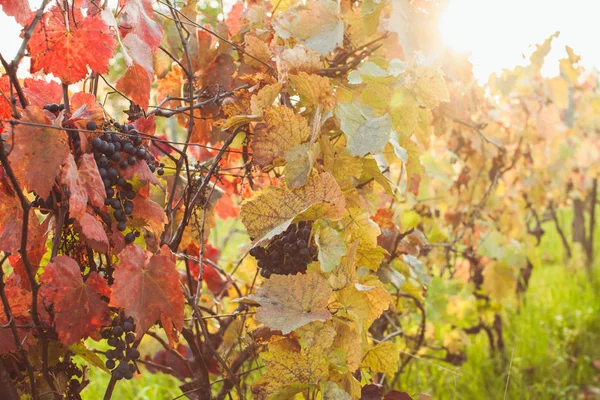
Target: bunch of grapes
(115,152)
(120,336)
(70,369)
(288,253)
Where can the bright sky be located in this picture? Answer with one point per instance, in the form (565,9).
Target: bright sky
(499,32)
(496,32)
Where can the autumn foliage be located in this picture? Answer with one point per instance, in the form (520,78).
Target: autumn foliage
(423,194)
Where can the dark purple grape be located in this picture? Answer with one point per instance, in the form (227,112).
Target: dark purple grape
(129,238)
(301,244)
(105,333)
(91,126)
(132,353)
(118,330)
(112,173)
(116,157)
(120,345)
(53,108)
(110,364)
(102,172)
(141,153)
(130,194)
(115,138)
(102,161)
(121,226)
(96,142)
(131,160)
(110,354)
(103,146)
(137,141)
(160,172)
(123,164)
(113,341)
(128,148)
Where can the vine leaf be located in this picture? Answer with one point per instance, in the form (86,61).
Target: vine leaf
(282,130)
(89,178)
(317,24)
(138,14)
(147,288)
(17,8)
(430,86)
(67,48)
(38,152)
(272,211)
(299,162)
(19,299)
(289,302)
(382,358)
(314,89)
(79,309)
(135,84)
(365,132)
(93,232)
(331,248)
(148,213)
(499,279)
(291,370)
(39,92)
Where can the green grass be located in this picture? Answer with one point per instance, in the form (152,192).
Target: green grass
(555,337)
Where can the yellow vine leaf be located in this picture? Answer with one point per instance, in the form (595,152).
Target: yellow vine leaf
(376,95)
(348,345)
(358,226)
(404,111)
(291,301)
(370,257)
(382,358)
(264,98)
(282,130)
(345,273)
(430,86)
(272,211)
(257,48)
(314,89)
(499,280)
(299,161)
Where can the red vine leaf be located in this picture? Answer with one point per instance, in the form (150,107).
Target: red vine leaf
(149,213)
(147,288)
(79,309)
(40,92)
(67,48)
(18,9)
(38,152)
(86,108)
(93,232)
(135,84)
(138,14)
(77,195)
(89,178)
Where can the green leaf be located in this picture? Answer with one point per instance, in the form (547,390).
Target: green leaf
(365,132)
(331,248)
(89,356)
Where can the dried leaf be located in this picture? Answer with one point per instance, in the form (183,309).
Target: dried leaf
(291,301)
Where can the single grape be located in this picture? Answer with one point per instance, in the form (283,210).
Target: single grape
(112,341)
(121,345)
(103,146)
(131,160)
(160,172)
(116,157)
(112,173)
(123,164)
(128,148)
(129,238)
(110,364)
(118,330)
(132,353)
(96,142)
(110,354)
(91,126)
(105,334)
(130,337)
(121,226)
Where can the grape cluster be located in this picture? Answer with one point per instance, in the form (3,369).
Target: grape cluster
(115,152)
(71,370)
(120,336)
(54,108)
(288,253)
